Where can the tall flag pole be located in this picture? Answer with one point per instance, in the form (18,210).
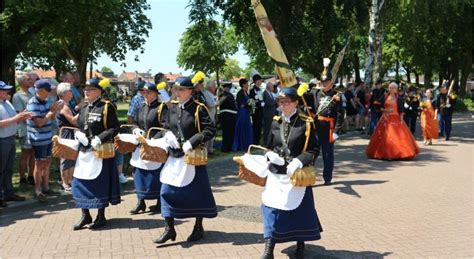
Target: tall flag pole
(338,62)
(276,53)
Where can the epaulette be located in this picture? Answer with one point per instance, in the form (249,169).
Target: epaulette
(305,117)
(277,118)
(175,102)
(199,103)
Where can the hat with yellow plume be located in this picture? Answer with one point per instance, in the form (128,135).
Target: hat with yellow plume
(198,78)
(326,75)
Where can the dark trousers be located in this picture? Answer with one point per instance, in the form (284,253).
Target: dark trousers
(257,119)
(445,122)
(267,125)
(410,120)
(7,159)
(374,119)
(227,121)
(327,149)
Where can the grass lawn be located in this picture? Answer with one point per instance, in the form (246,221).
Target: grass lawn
(122,109)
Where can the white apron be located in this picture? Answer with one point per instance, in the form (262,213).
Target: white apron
(177,173)
(88,166)
(137,162)
(280,194)
(257,163)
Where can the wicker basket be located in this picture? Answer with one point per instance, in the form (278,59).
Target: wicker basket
(196,157)
(62,151)
(122,146)
(246,174)
(150,153)
(303,177)
(105,151)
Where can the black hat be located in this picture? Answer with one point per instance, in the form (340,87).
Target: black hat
(379,81)
(184,82)
(256,77)
(227,85)
(151,87)
(326,77)
(288,92)
(243,81)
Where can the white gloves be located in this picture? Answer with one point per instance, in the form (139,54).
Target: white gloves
(406,105)
(294,165)
(138,132)
(171,140)
(274,158)
(187,146)
(95,142)
(335,136)
(82,138)
(448,105)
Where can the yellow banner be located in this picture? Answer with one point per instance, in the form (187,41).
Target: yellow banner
(282,67)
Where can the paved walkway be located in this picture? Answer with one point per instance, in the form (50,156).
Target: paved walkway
(419,208)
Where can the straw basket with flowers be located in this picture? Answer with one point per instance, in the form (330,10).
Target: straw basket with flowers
(125,142)
(257,163)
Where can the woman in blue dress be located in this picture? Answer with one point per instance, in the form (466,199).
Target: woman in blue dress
(243,128)
(185,190)
(288,211)
(146,174)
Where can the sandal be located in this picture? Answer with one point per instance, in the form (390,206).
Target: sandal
(41,197)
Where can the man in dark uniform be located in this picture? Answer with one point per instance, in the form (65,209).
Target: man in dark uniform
(257,117)
(227,117)
(412,104)
(376,100)
(329,121)
(446,105)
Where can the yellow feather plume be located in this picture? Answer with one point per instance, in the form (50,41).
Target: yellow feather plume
(199,76)
(161,86)
(104,83)
(302,89)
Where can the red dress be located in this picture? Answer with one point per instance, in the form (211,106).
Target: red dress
(392,140)
(429,124)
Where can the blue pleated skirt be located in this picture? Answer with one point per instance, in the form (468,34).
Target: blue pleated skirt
(147,183)
(243,137)
(99,192)
(300,224)
(193,200)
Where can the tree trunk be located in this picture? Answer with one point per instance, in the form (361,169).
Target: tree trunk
(466,68)
(417,78)
(374,47)
(408,75)
(7,72)
(357,68)
(428,72)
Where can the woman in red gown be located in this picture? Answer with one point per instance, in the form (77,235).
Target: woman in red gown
(429,119)
(392,140)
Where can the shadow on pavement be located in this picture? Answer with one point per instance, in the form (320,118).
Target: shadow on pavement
(218,237)
(142,224)
(314,251)
(346,187)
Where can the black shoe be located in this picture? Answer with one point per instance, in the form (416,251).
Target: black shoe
(327,183)
(85,219)
(23,181)
(141,206)
(170,232)
(31,180)
(3,204)
(15,198)
(100,220)
(269,246)
(50,192)
(299,249)
(155,209)
(198,231)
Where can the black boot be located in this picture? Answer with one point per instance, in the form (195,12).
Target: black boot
(198,231)
(141,206)
(169,233)
(85,219)
(156,209)
(269,246)
(100,220)
(299,249)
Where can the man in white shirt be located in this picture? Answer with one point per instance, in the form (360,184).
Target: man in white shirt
(211,103)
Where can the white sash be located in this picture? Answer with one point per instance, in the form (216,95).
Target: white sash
(137,162)
(72,143)
(88,166)
(177,173)
(280,194)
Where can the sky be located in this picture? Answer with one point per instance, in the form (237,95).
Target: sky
(169,19)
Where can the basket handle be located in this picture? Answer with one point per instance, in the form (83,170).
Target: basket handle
(67,127)
(127,126)
(153,128)
(256,147)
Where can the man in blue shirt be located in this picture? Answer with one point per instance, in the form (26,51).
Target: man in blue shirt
(9,121)
(39,129)
(136,103)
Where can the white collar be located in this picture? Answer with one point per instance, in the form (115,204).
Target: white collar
(182,105)
(288,119)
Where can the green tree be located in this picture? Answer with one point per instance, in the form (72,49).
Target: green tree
(231,69)
(106,69)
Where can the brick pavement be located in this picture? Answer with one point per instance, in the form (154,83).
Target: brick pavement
(421,208)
